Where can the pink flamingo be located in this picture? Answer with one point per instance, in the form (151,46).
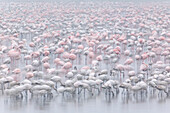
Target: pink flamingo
(14,54)
(72,57)
(59,51)
(67,66)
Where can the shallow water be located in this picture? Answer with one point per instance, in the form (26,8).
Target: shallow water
(87,104)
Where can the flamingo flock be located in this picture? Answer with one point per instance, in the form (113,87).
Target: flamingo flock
(86,48)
